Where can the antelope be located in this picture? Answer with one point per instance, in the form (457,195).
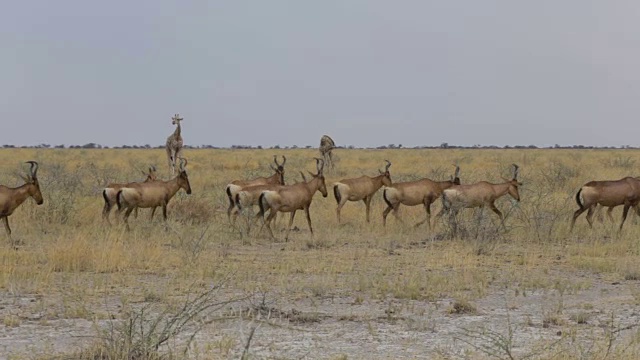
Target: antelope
(481,194)
(249,196)
(152,194)
(412,193)
(362,188)
(625,191)
(110,193)
(11,198)
(291,198)
(235,186)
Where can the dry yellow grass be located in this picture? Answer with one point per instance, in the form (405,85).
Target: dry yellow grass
(72,261)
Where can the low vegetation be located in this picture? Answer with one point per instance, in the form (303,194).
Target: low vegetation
(134,291)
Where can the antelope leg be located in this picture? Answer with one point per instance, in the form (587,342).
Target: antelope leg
(5,220)
(267,222)
(286,236)
(306,211)
(575,216)
(126,217)
(625,211)
(367,203)
(590,216)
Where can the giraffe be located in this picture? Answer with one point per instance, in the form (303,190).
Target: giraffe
(174,144)
(326,145)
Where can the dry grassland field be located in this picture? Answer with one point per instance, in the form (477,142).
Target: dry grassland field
(202,289)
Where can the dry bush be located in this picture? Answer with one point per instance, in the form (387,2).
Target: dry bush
(151,331)
(191,210)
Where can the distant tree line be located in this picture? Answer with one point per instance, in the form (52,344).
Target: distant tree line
(443,145)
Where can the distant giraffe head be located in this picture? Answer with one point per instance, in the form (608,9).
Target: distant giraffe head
(175,120)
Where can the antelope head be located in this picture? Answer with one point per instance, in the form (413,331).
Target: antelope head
(320,176)
(279,168)
(513,183)
(34,185)
(175,120)
(455,179)
(386,179)
(183,179)
(151,174)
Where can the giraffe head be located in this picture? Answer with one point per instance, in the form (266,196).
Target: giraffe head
(176,119)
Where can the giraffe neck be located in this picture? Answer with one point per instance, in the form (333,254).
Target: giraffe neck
(176,133)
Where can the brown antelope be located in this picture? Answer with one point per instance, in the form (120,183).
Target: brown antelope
(249,196)
(609,194)
(110,193)
(152,194)
(236,186)
(481,194)
(11,198)
(362,188)
(291,198)
(412,193)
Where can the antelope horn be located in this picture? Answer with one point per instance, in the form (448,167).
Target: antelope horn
(275,160)
(284,160)
(388,165)
(515,171)
(33,171)
(457,173)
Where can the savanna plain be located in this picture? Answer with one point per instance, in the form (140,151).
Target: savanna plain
(200,288)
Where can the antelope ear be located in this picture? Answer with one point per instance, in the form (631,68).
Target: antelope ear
(26,179)
(312,174)
(505,179)
(381,172)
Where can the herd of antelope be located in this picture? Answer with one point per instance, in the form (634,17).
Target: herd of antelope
(273,196)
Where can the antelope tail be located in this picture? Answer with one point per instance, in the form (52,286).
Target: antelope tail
(104,195)
(336,193)
(578,199)
(118,201)
(261,205)
(229,195)
(384,196)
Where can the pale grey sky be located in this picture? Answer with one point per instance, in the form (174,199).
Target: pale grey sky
(367,72)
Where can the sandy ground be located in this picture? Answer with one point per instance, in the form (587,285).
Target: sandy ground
(327,328)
